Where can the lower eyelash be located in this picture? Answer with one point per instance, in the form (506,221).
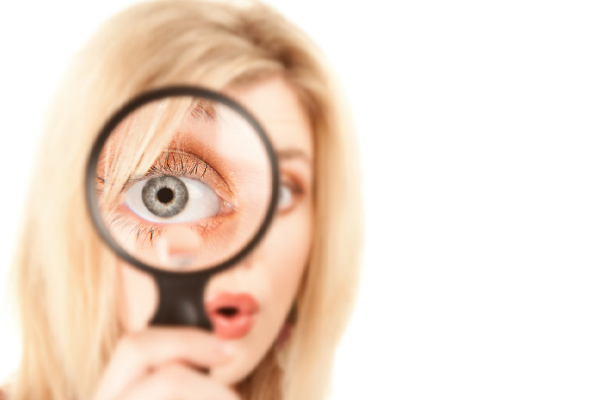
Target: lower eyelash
(147,232)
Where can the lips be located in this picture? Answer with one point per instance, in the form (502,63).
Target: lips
(232,315)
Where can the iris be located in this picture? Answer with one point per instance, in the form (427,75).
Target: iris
(165,196)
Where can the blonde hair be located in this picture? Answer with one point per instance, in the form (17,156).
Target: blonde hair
(65,275)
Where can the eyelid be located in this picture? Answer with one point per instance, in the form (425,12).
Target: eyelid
(181,163)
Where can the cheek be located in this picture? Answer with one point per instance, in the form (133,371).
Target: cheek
(286,254)
(283,258)
(139,298)
(272,274)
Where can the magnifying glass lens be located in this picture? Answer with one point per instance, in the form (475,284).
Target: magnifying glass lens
(183,183)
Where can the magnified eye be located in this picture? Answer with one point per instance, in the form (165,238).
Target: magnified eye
(170,199)
(183,182)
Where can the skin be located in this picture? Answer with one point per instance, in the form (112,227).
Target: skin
(158,363)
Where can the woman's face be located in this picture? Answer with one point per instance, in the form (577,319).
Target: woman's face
(265,283)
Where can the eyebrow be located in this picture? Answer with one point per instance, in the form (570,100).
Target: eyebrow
(290,154)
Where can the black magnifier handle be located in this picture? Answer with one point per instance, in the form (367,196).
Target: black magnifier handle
(181,302)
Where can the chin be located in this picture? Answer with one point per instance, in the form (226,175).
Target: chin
(248,354)
(234,371)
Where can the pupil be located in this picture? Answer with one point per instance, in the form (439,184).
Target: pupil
(164,195)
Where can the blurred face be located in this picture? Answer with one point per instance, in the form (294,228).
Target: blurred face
(248,304)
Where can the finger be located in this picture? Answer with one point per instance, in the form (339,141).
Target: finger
(178,382)
(138,354)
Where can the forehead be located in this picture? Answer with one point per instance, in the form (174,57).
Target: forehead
(276,106)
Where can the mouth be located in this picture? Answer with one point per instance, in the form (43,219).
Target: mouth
(232,315)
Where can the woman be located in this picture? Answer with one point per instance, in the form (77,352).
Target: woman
(84,313)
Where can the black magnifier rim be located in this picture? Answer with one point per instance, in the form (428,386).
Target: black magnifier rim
(124,111)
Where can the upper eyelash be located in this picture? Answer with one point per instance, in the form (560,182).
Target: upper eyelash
(180,168)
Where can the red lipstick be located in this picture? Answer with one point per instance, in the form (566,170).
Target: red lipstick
(232,315)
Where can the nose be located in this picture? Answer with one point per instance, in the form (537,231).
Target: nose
(178,248)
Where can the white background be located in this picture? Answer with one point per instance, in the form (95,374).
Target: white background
(479,125)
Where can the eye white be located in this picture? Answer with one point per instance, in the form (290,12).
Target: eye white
(285,197)
(202,203)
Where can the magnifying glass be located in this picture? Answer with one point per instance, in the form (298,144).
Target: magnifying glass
(182,183)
